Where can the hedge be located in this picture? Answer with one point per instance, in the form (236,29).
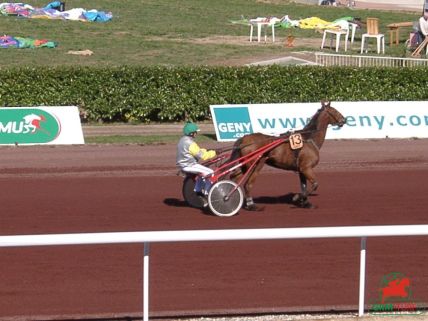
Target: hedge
(164,94)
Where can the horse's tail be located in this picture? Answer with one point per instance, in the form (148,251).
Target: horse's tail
(236,153)
(236,150)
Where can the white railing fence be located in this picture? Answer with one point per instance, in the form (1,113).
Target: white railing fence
(325,59)
(146,238)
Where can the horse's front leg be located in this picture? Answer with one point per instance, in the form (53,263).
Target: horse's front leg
(302,198)
(303,189)
(308,174)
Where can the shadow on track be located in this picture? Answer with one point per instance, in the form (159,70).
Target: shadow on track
(175,202)
(283,199)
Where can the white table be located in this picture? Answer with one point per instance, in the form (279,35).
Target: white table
(261,24)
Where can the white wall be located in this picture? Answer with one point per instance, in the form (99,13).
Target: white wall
(411,4)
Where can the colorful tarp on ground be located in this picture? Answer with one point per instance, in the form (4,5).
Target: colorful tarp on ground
(51,12)
(19,42)
(307,23)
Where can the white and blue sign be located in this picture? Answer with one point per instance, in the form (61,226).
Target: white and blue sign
(364,120)
(232,122)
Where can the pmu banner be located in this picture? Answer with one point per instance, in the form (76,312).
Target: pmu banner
(40,125)
(364,120)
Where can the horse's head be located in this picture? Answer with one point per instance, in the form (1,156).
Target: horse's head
(335,117)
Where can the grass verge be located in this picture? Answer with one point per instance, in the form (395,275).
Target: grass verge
(170,32)
(143,139)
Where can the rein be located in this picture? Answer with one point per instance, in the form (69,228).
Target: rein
(224,149)
(281,136)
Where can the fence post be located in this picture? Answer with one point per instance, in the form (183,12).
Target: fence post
(146,282)
(362,276)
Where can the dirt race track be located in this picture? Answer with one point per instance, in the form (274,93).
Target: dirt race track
(135,188)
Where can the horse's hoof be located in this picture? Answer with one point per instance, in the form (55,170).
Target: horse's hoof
(306,204)
(296,197)
(254,208)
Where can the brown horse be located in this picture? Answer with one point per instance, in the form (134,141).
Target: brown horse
(301,160)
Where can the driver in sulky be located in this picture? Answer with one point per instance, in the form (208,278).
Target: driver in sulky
(189,154)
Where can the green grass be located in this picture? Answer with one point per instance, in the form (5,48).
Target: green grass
(143,139)
(163,32)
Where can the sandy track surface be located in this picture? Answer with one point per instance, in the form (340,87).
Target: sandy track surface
(346,155)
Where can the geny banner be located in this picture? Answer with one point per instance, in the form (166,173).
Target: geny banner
(364,119)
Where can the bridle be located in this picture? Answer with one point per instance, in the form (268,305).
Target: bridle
(337,122)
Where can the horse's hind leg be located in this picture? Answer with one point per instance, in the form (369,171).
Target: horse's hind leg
(249,202)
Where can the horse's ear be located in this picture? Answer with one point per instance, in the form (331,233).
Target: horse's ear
(325,103)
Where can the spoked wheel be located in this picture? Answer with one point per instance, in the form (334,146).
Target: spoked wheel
(222,201)
(190,196)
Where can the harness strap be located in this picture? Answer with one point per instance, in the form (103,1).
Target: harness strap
(313,143)
(296,153)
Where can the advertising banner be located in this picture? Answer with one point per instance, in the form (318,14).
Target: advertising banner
(40,125)
(364,120)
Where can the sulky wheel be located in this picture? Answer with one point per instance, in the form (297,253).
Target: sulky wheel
(222,201)
(190,196)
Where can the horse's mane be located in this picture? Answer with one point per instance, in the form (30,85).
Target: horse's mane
(313,122)
(310,128)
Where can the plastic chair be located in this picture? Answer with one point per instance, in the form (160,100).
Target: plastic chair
(338,33)
(373,32)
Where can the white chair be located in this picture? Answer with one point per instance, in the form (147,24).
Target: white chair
(373,32)
(343,31)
